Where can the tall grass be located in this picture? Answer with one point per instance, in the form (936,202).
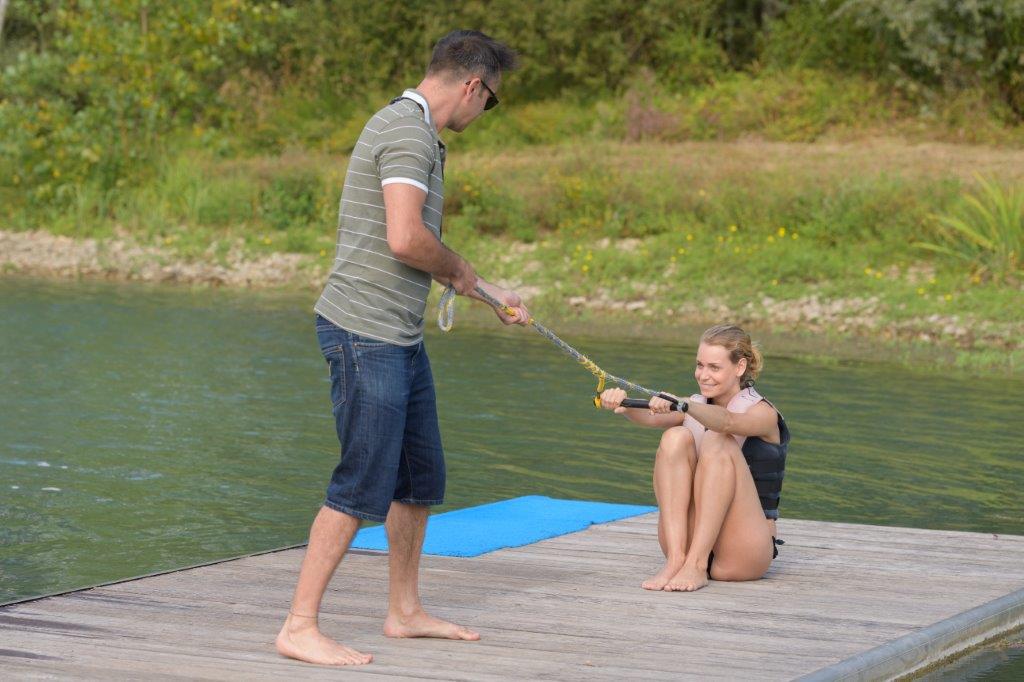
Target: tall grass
(985,231)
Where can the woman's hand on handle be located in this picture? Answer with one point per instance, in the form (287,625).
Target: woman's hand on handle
(659,405)
(611,399)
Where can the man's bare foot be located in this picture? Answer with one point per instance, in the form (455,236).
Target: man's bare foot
(421,625)
(690,578)
(301,639)
(661,578)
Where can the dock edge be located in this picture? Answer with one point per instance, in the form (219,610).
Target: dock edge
(929,645)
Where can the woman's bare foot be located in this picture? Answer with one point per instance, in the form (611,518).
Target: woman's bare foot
(661,578)
(300,638)
(690,578)
(420,624)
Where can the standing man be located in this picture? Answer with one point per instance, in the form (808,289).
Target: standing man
(370,327)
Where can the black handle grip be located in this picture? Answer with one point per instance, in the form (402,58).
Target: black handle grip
(638,402)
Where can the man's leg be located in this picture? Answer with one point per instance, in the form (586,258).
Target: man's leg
(406,526)
(300,637)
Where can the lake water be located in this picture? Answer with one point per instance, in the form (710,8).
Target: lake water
(146,428)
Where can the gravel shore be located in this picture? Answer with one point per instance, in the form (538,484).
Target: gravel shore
(44,254)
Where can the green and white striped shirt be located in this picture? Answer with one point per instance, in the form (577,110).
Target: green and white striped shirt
(369,291)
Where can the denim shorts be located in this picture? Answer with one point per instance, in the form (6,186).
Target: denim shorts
(385,411)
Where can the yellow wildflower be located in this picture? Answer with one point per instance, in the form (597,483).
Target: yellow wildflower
(733,228)
(781,232)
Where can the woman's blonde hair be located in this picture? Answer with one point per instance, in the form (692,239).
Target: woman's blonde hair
(739,345)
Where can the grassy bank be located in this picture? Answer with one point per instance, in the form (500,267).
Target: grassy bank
(810,238)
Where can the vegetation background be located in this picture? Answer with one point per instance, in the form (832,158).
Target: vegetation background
(850,167)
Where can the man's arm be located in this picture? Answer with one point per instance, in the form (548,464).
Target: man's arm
(416,246)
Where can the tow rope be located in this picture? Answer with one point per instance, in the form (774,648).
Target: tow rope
(446,320)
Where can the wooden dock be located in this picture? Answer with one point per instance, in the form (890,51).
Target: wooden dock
(842,601)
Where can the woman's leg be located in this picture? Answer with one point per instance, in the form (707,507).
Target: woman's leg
(673,481)
(729,519)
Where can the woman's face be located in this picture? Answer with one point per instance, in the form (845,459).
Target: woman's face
(716,373)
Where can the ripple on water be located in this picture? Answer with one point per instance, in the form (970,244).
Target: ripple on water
(143,475)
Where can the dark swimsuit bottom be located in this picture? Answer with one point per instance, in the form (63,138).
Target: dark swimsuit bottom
(775,552)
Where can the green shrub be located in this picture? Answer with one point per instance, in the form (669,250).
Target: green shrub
(292,199)
(985,230)
(949,44)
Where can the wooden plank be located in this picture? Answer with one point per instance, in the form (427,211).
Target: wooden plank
(569,607)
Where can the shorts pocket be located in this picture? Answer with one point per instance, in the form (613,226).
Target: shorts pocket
(336,368)
(363,347)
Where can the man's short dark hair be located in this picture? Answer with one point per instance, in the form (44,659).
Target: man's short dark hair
(471,52)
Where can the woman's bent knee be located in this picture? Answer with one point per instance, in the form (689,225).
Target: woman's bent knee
(719,446)
(677,442)
(715,456)
(677,438)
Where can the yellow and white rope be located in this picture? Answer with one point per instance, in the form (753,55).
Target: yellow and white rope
(446,320)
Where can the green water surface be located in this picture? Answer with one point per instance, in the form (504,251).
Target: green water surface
(146,428)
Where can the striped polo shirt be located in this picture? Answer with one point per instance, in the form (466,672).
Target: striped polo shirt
(369,291)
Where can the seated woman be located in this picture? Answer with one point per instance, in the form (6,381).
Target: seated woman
(719,467)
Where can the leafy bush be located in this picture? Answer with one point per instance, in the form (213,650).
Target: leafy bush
(94,91)
(949,44)
(92,100)
(291,199)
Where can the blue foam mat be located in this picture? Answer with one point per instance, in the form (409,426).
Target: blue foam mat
(509,523)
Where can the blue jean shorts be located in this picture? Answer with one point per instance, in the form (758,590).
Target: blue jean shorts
(385,411)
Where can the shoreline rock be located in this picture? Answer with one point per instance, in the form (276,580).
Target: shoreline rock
(41,253)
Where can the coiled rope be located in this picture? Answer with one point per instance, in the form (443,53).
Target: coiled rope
(446,320)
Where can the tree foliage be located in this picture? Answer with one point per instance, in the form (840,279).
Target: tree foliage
(92,90)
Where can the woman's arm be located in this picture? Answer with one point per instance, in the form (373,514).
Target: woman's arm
(612,399)
(760,420)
